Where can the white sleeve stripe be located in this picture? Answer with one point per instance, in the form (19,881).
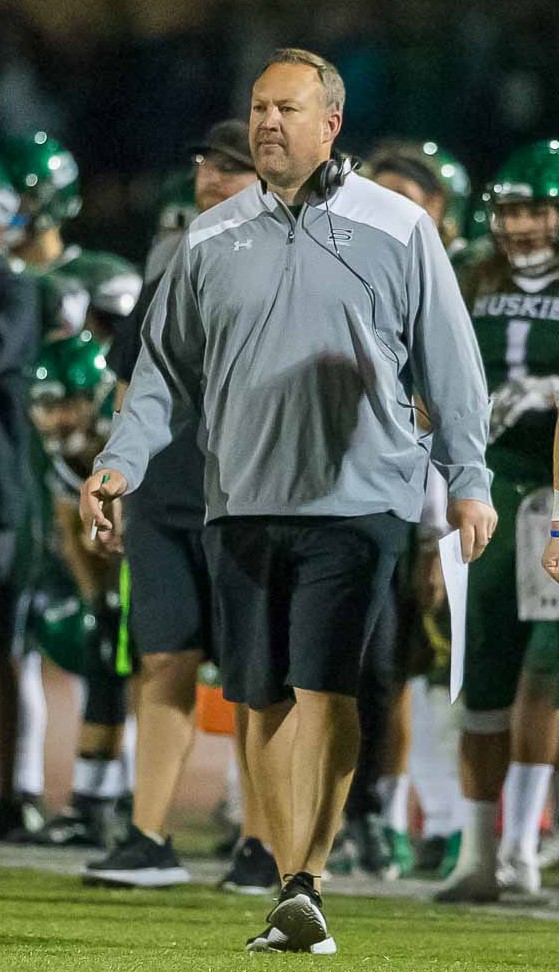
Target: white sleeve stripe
(363,201)
(199,236)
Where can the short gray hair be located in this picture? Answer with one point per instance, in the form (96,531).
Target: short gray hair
(329,75)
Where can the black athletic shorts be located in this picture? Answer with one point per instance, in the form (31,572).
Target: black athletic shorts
(8,607)
(170,591)
(296,598)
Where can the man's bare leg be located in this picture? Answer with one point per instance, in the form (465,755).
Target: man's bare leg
(484,759)
(534,740)
(302,764)
(534,722)
(325,750)
(394,784)
(269,746)
(254,822)
(166,726)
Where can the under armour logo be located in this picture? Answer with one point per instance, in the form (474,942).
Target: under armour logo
(237,245)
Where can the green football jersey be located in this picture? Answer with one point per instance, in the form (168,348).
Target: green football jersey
(516,320)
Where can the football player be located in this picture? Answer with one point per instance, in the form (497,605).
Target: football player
(510,282)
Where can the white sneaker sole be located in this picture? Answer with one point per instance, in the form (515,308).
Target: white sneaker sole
(262,944)
(251,889)
(149,877)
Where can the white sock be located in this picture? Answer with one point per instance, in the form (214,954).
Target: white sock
(29,771)
(525,792)
(97,778)
(434,758)
(394,791)
(233,798)
(128,755)
(479,841)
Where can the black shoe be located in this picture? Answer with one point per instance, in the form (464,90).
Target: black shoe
(23,814)
(10,817)
(272,940)
(226,846)
(430,853)
(298,913)
(254,870)
(82,824)
(367,833)
(22,818)
(138,862)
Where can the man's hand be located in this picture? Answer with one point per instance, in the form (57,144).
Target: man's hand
(550,559)
(112,540)
(476,522)
(105,485)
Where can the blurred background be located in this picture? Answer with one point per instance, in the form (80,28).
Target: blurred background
(127,84)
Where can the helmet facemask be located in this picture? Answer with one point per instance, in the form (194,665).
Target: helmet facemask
(527,231)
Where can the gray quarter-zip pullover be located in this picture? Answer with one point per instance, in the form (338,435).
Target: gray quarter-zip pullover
(300,342)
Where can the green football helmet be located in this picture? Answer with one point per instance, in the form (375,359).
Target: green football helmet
(529,178)
(71,366)
(64,303)
(456,182)
(176,203)
(531,173)
(449,176)
(113,284)
(46,177)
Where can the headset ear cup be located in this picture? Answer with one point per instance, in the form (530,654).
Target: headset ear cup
(327,178)
(332,173)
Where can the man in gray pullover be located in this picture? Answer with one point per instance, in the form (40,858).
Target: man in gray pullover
(297,318)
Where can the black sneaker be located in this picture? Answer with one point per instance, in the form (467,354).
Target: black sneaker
(430,853)
(82,824)
(298,913)
(138,862)
(23,815)
(367,833)
(272,940)
(253,871)
(226,846)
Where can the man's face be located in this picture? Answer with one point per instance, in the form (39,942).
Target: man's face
(57,420)
(216,178)
(291,128)
(526,229)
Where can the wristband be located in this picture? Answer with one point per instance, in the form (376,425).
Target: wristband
(555,507)
(554,534)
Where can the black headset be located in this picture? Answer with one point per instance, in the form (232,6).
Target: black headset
(332,174)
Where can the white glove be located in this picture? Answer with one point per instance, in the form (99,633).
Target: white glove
(513,398)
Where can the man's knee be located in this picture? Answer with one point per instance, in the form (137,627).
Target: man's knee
(171,677)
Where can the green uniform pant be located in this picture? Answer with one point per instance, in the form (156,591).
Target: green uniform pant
(498,644)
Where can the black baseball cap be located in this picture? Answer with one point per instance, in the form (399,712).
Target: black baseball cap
(228,138)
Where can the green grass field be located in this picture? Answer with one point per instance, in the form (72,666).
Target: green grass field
(52,923)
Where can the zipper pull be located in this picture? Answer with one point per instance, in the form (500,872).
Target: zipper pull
(291,236)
